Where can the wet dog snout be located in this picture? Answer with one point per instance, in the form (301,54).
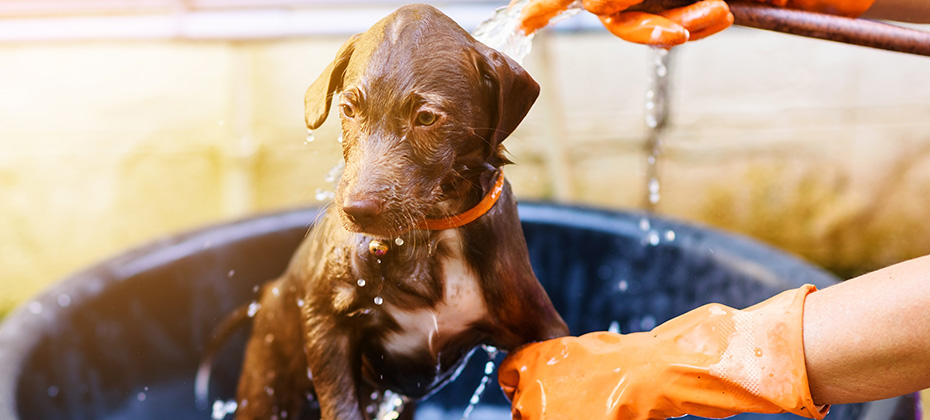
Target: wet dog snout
(363,211)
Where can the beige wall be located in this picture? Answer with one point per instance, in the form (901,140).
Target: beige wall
(822,149)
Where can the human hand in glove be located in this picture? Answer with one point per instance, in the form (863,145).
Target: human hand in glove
(666,29)
(671,26)
(714,361)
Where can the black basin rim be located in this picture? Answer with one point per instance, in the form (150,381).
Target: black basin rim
(16,343)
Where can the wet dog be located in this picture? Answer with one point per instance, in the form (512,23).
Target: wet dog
(421,256)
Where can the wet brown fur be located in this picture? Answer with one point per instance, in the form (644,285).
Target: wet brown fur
(316,318)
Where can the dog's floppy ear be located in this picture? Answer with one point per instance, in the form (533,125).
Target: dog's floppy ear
(319,95)
(512,93)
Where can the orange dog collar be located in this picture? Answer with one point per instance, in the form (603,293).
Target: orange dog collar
(469,216)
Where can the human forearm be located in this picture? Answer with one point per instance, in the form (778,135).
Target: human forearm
(868,338)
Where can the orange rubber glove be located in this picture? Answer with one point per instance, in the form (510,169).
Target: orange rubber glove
(714,361)
(673,26)
(666,29)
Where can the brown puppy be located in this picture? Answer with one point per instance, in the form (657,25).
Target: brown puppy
(424,109)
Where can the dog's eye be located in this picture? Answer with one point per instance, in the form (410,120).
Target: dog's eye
(347,110)
(426,118)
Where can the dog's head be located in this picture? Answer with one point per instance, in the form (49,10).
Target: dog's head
(424,109)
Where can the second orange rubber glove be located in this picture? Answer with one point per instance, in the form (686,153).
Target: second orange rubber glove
(714,361)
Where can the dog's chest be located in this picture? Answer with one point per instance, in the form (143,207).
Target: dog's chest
(461,305)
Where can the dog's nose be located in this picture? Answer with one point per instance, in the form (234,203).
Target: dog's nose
(363,211)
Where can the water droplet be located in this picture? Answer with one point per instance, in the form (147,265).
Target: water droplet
(323,195)
(654,185)
(653,238)
(651,121)
(661,70)
(275,291)
(339,139)
(269,390)
(64,300)
(644,224)
(335,172)
(140,396)
(255,289)
(758,352)
(670,235)
(361,282)
(269,338)
(378,300)
(399,241)
(53,391)
(222,408)
(145,388)
(654,198)
(300,303)
(230,273)
(647,323)
(623,285)
(253,309)
(490,350)
(310,136)
(35,307)
(489,368)
(379,260)
(614,327)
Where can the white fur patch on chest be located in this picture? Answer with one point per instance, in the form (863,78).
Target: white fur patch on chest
(462,304)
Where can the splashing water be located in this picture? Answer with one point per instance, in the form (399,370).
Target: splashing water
(502,33)
(336,172)
(614,327)
(392,404)
(253,309)
(223,408)
(479,391)
(333,176)
(324,195)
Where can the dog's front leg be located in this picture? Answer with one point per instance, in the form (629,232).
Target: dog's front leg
(333,358)
(273,382)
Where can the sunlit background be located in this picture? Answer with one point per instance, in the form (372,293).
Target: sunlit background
(125,121)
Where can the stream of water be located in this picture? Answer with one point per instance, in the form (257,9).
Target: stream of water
(501,31)
(656,118)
